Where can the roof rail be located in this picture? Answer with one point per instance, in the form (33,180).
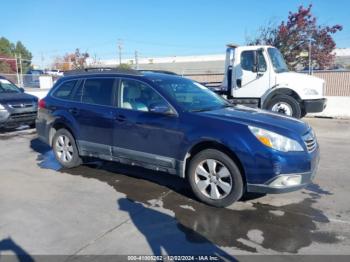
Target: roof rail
(102,70)
(157,71)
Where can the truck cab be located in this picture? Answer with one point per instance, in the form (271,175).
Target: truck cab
(258,76)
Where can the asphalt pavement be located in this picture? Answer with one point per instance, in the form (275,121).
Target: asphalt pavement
(106,208)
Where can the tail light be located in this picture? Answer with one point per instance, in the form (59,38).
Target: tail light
(41,104)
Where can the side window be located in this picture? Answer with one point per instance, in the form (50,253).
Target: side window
(65,90)
(247,60)
(138,96)
(262,62)
(78,93)
(98,91)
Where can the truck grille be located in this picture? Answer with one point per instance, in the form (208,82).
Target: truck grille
(310,141)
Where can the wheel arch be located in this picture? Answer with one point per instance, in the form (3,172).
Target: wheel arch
(59,125)
(280,91)
(208,144)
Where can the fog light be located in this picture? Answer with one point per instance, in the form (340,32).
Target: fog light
(4,114)
(286,181)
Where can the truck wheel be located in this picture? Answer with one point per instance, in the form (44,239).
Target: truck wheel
(214,178)
(65,149)
(284,104)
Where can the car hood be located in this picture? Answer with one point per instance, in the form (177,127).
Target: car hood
(6,98)
(300,81)
(260,118)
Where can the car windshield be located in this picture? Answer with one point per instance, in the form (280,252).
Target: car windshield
(279,65)
(190,95)
(7,87)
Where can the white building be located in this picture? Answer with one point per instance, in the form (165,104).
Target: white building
(195,64)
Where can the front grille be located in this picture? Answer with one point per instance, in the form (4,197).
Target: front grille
(310,141)
(21,105)
(23,116)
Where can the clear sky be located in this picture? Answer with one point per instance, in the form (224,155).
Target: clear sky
(153,27)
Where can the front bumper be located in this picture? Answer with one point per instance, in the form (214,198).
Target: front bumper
(306,179)
(315,105)
(13,120)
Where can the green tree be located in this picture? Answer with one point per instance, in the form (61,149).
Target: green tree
(9,50)
(6,47)
(25,55)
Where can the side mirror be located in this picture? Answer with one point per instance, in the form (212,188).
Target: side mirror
(21,89)
(160,109)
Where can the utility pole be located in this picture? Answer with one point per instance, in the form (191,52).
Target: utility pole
(136,60)
(120,47)
(310,62)
(42,60)
(21,70)
(17,69)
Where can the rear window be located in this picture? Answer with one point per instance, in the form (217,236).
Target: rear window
(98,91)
(65,90)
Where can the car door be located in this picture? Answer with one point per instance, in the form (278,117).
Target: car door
(250,84)
(92,110)
(142,134)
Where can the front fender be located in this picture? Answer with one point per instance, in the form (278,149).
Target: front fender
(278,90)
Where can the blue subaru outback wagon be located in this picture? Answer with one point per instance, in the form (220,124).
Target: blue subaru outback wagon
(168,123)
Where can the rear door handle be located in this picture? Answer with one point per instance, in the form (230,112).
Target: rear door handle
(121,118)
(73,111)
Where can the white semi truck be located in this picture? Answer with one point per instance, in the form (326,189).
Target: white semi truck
(258,76)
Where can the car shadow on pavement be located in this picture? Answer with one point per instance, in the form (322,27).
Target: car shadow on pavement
(9,246)
(162,233)
(249,225)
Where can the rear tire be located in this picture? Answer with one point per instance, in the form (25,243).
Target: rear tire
(284,104)
(65,149)
(214,178)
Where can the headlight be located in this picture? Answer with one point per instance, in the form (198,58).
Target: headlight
(310,91)
(2,107)
(275,141)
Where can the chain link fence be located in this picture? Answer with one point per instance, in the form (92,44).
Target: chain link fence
(26,80)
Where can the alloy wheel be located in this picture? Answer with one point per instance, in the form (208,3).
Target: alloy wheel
(213,179)
(64,148)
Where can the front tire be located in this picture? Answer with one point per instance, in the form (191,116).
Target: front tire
(284,104)
(214,178)
(65,149)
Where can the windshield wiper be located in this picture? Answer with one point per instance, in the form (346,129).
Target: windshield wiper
(201,109)
(210,108)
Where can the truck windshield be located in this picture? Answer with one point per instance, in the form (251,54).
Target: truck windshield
(7,87)
(279,65)
(190,95)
